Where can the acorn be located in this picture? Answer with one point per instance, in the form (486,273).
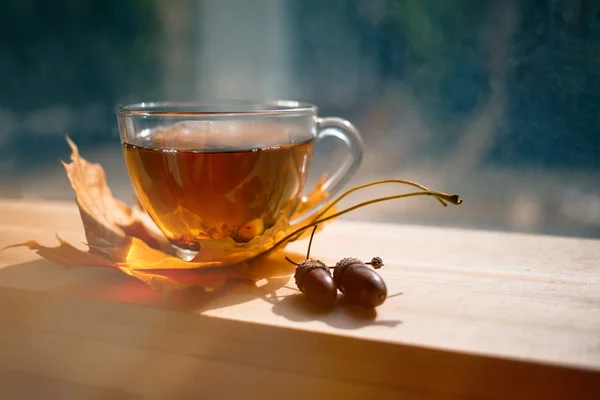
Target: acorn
(359,283)
(314,280)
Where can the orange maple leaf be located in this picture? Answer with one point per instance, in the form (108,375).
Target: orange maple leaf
(106,220)
(124,237)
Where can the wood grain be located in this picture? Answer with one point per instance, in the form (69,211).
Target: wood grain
(476,315)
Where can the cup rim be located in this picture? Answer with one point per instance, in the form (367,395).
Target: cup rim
(228,108)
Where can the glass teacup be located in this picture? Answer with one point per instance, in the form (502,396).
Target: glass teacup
(229,170)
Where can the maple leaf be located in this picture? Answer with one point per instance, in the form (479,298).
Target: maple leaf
(156,269)
(66,254)
(106,220)
(125,238)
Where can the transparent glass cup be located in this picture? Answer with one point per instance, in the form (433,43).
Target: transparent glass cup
(229,170)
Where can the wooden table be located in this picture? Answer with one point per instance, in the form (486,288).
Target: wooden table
(473,314)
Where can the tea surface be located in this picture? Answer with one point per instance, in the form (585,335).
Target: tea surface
(201,194)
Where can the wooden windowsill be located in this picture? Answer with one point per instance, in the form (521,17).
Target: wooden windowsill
(472,314)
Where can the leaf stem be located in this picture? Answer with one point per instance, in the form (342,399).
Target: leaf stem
(310,242)
(290,261)
(450,198)
(374,183)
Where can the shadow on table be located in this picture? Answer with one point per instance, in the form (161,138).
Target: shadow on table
(345,316)
(112,285)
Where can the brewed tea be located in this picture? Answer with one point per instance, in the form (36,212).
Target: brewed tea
(209,193)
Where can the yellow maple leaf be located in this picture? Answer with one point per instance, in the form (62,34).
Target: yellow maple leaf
(125,238)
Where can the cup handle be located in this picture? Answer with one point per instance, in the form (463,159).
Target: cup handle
(349,135)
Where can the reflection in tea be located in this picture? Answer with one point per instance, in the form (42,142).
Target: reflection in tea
(210,193)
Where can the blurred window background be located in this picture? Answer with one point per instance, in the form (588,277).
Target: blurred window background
(498,101)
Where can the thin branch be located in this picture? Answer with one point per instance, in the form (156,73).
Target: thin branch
(290,261)
(374,183)
(450,198)
(310,241)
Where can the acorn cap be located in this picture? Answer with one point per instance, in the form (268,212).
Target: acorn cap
(376,262)
(341,266)
(306,266)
